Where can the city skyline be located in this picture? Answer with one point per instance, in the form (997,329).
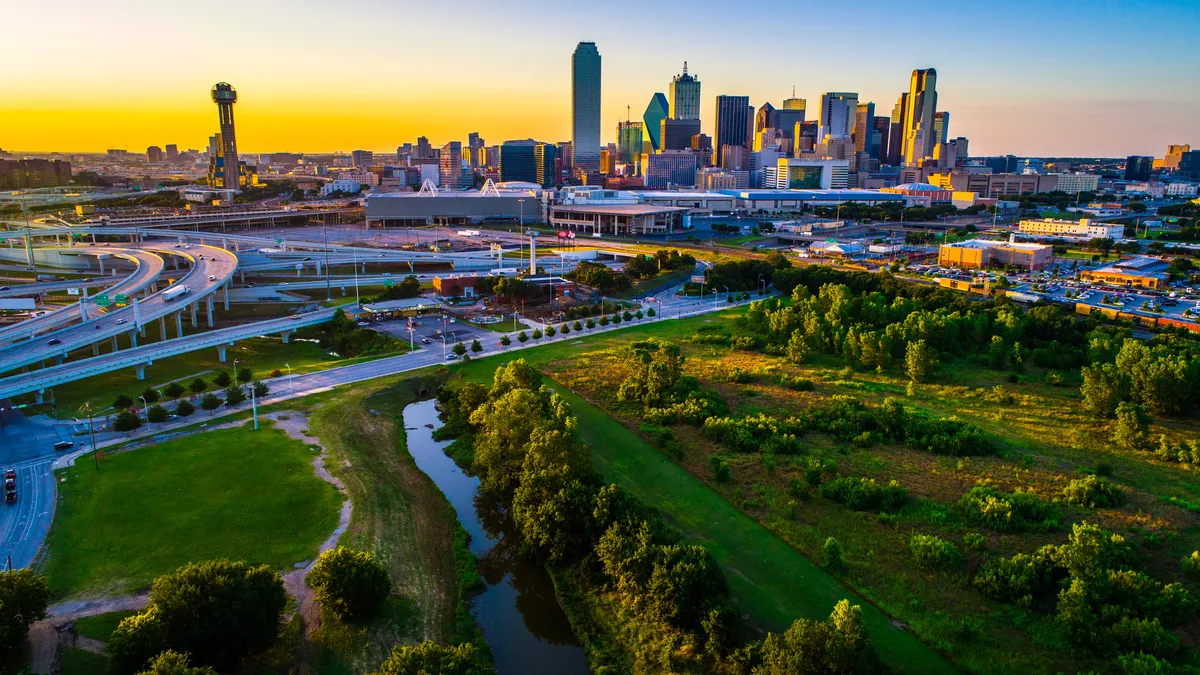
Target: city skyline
(1045,90)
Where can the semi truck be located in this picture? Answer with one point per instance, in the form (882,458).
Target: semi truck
(175,292)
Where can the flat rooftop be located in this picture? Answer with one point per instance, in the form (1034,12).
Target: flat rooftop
(991,243)
(618,209)
(447,194)
(817,195)
(673,194)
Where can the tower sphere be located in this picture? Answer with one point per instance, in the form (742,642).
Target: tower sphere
(223,92)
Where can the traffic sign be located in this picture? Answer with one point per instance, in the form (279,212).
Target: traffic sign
(102,300)
(72,291)
(697,278)
(121,299)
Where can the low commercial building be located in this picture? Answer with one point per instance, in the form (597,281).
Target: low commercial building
(617,219)
(392,309)
(1084,227)
(455,287)
(1074,183)
(1140,271)
(452,207)
(834,249)
(983,253)
(995,184)
(927,194)
(790,201)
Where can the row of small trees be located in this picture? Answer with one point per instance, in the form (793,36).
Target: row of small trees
(128,420)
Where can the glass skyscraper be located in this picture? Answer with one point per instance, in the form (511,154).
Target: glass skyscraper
(656,112)
(685,96)
(629,142)
(585,106)
(733,123)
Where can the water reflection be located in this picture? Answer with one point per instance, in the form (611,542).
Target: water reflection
(518,611)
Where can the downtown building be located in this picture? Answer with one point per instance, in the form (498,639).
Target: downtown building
(585,107)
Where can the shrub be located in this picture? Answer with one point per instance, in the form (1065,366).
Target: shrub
(222,379)
(947,436)
(796,383)
(864,494)
(430,657)
(24,597)
(349,583)
(577,326)
(210,402)
(156,414)
(1018,579)
(1132,428)
(172,662)
(122,402)
(1006,511)
(974,541)
(522,337)
(650,312)
(277,373)
(720,469)
(234,395)
(1191,565)
(198,386)
(127,420)
(185,409)
(831,555)
(934,552)
(1094,492)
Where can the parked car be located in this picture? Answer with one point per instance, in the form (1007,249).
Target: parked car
(64,445)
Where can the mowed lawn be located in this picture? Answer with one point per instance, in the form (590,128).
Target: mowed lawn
(772,581)
(229,493)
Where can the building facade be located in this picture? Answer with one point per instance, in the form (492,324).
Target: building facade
(982,253)
(1072,228)
(223,163)
(451,173)
(1138,168)
(838,110)
(919,137)
(685,96)
(733,123)
(670,168)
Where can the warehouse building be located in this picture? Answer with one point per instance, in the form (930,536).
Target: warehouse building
(983,253)
(1140,271)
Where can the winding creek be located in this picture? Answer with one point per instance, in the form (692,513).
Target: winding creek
(518,612)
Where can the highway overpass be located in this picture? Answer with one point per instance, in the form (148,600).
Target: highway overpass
(20,290)
(38,381)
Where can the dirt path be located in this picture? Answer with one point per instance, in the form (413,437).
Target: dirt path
(296,425)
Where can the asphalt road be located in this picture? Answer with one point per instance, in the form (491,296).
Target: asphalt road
(27,447)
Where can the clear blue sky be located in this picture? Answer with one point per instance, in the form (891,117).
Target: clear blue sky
(1032,78)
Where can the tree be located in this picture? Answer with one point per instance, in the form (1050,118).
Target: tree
(796,347)
(210,402)
(156,414)
(172,662)
(639,315)
(459,348)
(127,420)
(1133,426)
(650,312)
(24,597)
(1104,387)
(174,390)
(919,361)
(551,331)
(185,409)
(122,402)
(836,646)
(198,386)
(222,379)
(244,375)
(505,341)
(565,329)
(150,395)
(553,501)
(578,326)
(522,337)
(831,555)
(476,347)
(234,395)
(261,389)
(616,318)
(1137,207)
(604,321)
(537,334)
(431,658)
(351,584)
(218,611)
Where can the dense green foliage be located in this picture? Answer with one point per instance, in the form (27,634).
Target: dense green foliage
(864,494)
(349,583)
(934,552)
(1093,492)
(173,663)
(430,658)
(24,598)
(837,646)
(1007,511)
(344,337)
(218,611)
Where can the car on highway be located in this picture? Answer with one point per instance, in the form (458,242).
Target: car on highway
(211,278)
(295,317)
(425,341)
(64,445)
(10,496)
(451,357)
(53,342)
(121,321)
(363,324)
(3,288)
(10,480)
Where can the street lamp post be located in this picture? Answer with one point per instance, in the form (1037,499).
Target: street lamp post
(146,407)
(291,384)
(92,433)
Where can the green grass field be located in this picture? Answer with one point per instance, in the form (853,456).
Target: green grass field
(75,661)
(232,493)
(100,626)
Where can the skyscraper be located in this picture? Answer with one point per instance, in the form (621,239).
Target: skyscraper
(766,117)
(544,156)
(919,137)
(677,134)
(864,125)
(685,96)
(474,149)
(223,165)
(154,155)
(450,167)
(657,111)
(424,149)
(895,153)
(941,127)
(794,103)
(838,109)
(1138,168)
(732,124)
(363,158)
(172,152)
(585,106)
(1170,160)
(879,148)
(629,142)
(786,118)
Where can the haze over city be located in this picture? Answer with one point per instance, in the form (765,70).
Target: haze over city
(1028,78)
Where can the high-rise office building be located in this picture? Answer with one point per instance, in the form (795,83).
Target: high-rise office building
(491,156)
(895,153)
(786,119)
(919,137)
(518,161)
(474,149)
(864,126)
(794,103)
(223,164)
(806,138)
(732,125)
(838,109)
(423,149)
(879,148)
(585,106)
(941,127)
(685,96)
(629,142)
(766,117)
(154,155)
(670,168)
(1138,168)
(172,152)
(545,158)
(677,134)
(364,158)
(1174,154)
(656,111)
(566,155)
(450,167)
(608,159)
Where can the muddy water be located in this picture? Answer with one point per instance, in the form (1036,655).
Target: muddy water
(518,612)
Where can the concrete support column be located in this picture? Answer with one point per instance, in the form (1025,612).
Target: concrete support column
(59,359)
(133,339)
(101,261)
(227,285)
(195,322)
(210,311)
(286,335)
(95,349)
(114,343)
(179,324)
(39,394)
(300,270)
(141,371)
(162,328)
(221,352)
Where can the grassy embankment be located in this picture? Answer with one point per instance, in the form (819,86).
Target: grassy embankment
(1046,441)
(229,493)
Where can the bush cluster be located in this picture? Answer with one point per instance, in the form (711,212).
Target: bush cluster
(864,494)
(934,552)
(1007,511)
(1094,492)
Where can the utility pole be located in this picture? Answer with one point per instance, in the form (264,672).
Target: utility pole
(254,405)
(325,238)
(92,432)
